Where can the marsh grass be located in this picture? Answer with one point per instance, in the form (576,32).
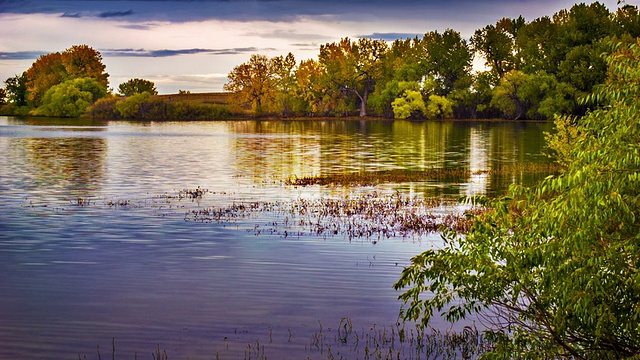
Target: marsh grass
(346,341)
(403,176)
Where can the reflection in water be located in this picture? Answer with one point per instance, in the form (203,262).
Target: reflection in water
(268,151)
(72,165)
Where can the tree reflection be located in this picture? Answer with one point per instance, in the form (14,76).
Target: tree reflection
(74,164)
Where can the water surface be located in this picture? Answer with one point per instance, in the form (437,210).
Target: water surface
(73,277)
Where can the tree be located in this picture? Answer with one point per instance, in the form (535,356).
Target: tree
(16,88)
(82,61)
(78,61)
(496,43)
(71,98)
(3,96)
(252,83)
(555,266)
(284,74)
(353,67)
(137,86)
(447,58)
(45,72)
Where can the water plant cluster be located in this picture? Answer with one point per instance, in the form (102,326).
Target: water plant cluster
(371,215)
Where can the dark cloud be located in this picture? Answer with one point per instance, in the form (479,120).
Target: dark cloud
(390,36)
(71,15)
(111,14)
(21,55)
(168,52)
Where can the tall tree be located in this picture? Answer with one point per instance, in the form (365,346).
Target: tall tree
(45,72)
(82,61)
(496,44)
(353,67)
(252,83)
(447,58)
(16,88)
(284,74)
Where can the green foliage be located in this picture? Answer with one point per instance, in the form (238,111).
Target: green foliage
(410,105)
(554,267)
(71,98)
(137,86)
(16,89)
(148,107)
(439,107)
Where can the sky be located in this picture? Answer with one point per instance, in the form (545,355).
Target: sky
(193,44)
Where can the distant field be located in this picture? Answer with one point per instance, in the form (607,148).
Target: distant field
(217,98)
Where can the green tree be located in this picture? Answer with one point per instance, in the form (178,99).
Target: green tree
(131,107)
(71,98)
(353,67)
(16,88)
(555,266)
(137,86)
(411,104)
(447,59)
(496,43)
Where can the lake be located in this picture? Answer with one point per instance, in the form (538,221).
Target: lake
(96,244)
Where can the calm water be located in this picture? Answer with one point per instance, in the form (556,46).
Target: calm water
(73,277)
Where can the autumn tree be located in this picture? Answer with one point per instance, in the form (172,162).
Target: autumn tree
(46,72)
(553,268)
(310,92)
(78,61)
(284,80)
(353,67)
(137,86)
(251,84)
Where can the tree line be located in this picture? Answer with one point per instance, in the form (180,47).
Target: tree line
(74,83)
(533,70)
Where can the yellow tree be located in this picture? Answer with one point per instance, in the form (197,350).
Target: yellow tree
(251,84)
(46,72)
(284,73)
(82,61)
(309,88)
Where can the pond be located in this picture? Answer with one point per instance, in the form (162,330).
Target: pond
(96,244)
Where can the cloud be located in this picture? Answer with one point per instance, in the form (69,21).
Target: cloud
(289,35)
(21,55)
(71,15)
(177,52)
(112,14)
(390,36)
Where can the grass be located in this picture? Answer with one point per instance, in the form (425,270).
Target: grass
(347,341)
(215,98)
(405,176)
